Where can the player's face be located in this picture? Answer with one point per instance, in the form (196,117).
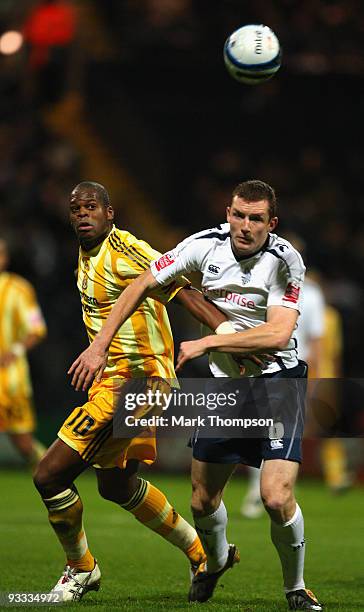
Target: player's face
(249,225)
(89,217)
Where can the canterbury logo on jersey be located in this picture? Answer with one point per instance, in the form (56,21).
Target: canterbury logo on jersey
(292,293)
(166,260)
(213,269)
(276,444)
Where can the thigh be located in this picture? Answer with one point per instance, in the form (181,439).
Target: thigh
(97,430)
(210,477)
(278,474)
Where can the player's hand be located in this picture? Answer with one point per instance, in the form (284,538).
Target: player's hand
(89,365)
(189,350)
(262,361)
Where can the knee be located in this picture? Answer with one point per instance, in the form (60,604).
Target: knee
(276,498)
(42,477)
(45,479)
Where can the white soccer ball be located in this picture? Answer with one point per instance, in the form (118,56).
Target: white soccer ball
(252,54)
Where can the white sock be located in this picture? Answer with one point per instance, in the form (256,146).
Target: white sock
(289,541)
(212,532)
(253,482)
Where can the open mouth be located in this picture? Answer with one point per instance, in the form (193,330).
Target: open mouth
(84,227)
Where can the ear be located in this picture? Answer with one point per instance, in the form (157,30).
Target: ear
(110,213)
(228,209)
(273,223)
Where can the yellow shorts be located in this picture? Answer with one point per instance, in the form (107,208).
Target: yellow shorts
(89,428)
(16,414)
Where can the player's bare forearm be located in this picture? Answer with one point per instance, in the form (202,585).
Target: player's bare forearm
(33,340)
(200,308)
(270,336)
(265,337)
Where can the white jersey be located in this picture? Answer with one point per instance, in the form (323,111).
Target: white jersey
(312,320)
(242,288)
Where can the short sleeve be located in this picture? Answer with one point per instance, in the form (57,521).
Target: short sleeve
(136,258)
(286,282)
(184,258)
(30,316)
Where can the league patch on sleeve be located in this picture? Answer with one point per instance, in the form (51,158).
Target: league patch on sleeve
(292,293)
(166,260)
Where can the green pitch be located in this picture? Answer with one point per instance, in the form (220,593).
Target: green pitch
(142,572)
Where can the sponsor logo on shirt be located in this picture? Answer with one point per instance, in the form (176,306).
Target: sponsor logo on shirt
(230,296)
(213,269)
(292,293)
(164,261)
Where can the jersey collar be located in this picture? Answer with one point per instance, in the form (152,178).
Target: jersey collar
(96,250)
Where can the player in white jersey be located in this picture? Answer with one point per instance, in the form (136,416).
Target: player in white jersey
(311,325)
(255,278)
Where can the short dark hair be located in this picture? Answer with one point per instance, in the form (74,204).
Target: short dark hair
(254,190)
(102,193)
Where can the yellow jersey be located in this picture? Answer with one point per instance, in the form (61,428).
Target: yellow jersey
(20,315)
(332,344)
(143,345)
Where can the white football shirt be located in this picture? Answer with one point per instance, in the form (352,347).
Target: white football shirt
(311,323)
(243,288)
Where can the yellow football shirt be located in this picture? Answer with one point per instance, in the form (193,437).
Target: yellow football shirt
(143,345)
(332,344)
(20,315)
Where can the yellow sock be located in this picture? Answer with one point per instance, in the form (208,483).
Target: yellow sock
(151,507)
(65,516)
(334,466)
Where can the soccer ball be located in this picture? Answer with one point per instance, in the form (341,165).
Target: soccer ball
(252,54)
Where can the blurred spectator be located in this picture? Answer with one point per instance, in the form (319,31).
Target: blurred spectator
(50,31)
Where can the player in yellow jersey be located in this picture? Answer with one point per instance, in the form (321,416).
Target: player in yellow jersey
(109,260)
(21,328)
(335,452)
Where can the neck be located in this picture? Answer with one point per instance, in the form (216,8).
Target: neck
(88,245)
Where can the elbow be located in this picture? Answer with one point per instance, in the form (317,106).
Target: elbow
(281,341)
(281,345)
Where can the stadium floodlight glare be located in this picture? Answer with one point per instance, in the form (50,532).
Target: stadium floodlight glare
(11,42)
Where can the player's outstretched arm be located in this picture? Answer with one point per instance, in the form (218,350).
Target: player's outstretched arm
(270,336)
(92,362)
(200,308)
